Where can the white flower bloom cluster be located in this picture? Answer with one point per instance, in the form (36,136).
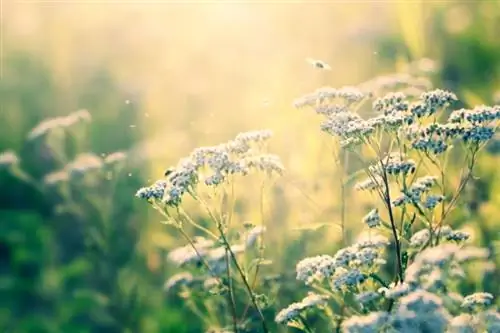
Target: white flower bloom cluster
(64,122)
(396,82)
(393,164)
(421,301)
(423,311)
(446,233)
(237,156)
(7,159)
(86,163)
(443,262)
(485,321)
(372,219)
(253,234)
(343,96)
(348,267)
(396,291)
(426,296)
(115,158)
(367,297)
(391,103)
(180,279)
(418,193)
(471,126)
(294,310)
(210,252)
(82,164)
(374,322)
(187,254)
(477,301)
(420,311)
(369,184)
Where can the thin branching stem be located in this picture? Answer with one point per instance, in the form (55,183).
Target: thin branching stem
(245,282)
(231,301)
(393,224)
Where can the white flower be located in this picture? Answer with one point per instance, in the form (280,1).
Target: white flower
(8,158)
(372,219)
(371,323)
(179,279)
(477,300)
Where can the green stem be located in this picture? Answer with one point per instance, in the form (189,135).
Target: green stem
(244,279)
(196,225)
(232,303)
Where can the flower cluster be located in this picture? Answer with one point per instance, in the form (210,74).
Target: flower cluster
(373,322)
(404,134)
(348,267)
(342,96)
(180,279)
(63,122)
(445,233)
(203,250)
(477,301)
(396,82)
(418,193)
(372,219)
(7,159)
(369,184)
(293,311)
(393,164)
(421,301)
(88,163)
(214,164)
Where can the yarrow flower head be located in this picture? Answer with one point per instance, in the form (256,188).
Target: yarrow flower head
(348,267)
(187,254)
(178,280)
(391,103)
(7,159)
(64,122)
(420,238)
(84,163)
(294,310)
(477,301)
(345,279)
(155,191)
(56,177)
(420,311)
(432,201)
(115,158)
(213,165)
(393,164)
(463,323)
(396,291)
(370,323)
(367,297)
(395,82)
(369,184)
(252,235)
(372,219)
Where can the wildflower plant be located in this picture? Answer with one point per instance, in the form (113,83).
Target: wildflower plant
(407,274)
(216,258)
(79,193)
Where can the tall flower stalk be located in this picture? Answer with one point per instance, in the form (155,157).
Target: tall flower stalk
(403,140)
(213,170)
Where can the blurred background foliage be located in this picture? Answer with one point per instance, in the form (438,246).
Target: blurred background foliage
(163,77)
